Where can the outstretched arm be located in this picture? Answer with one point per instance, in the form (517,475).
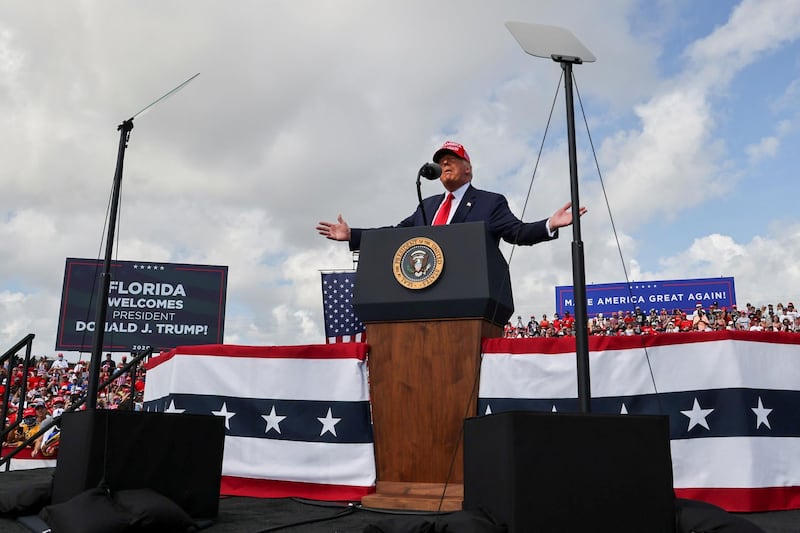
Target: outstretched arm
(563,217)
(335,231)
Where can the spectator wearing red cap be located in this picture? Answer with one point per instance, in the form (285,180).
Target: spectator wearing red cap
(743,322)
(27,428)
(700,316)
(464,203)
(59,366)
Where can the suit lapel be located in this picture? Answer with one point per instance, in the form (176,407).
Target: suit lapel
(431,206)
(464,207)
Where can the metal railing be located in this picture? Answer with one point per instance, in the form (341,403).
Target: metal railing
(129,367)
(11,358)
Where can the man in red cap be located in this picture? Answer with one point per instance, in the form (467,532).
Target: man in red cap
(27,428)
(464,203)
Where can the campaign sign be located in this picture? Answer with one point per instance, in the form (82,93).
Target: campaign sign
(150,305)
(672,294)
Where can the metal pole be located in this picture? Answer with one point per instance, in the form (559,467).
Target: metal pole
(105,278)
(578,262)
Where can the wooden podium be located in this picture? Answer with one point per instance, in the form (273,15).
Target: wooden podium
(425,318)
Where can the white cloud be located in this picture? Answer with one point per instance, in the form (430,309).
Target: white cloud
(765,268)
(304,110)
(754,27)
(766,147)
(672,158)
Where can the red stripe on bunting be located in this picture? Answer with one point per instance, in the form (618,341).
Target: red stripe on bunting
(597,343)
(746,499)
(270,488)
(345,350)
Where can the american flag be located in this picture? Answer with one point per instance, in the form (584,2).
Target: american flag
(341,322)
(732,399)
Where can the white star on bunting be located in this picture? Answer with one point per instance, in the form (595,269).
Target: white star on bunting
(273,420)
(224,412)
(761,414)
(697,415)
(329,424)
(172,409)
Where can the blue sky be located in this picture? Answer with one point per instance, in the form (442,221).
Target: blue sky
(305,109)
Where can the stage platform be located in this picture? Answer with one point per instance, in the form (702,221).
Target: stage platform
(254,515)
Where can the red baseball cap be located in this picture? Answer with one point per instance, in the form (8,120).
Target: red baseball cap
(454,148)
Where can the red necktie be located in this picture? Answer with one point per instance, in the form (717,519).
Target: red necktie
(444,211)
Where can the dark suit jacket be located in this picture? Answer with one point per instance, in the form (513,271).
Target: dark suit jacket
(477,206)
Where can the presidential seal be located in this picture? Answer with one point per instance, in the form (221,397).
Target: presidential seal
(418,263)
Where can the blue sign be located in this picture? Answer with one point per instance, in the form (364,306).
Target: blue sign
(683,294)
(150,305)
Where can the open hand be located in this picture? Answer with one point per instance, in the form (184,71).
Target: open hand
(335,231)
(563,216)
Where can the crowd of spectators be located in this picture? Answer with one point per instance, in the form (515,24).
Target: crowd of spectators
(653,322)
(53,386)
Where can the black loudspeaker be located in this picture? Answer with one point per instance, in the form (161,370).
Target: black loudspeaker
(177,455)
(553,472)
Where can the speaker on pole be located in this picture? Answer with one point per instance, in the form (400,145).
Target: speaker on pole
(177,455)
(570,472)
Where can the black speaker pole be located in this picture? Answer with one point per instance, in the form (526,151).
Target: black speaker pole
(578,262)
(105,277)
(558,44)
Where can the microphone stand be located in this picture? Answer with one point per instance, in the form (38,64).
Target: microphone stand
(105,278)
(419,196)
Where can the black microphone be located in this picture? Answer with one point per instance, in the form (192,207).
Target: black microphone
(431,171)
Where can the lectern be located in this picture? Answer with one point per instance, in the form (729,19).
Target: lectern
(427,295)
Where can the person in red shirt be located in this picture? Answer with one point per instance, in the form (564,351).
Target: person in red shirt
(569,321)
(556,323)
(544,323)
